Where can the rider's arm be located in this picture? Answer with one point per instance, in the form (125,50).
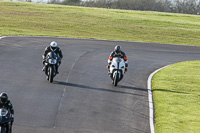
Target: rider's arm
(60,53)
(11,108)
(125,59)
(45,53)
(124,56)
(111,56)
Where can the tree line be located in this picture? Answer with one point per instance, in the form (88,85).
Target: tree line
(174,6)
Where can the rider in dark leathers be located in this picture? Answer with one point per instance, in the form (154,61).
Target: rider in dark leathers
(53,47)
(117,53)
(5,103)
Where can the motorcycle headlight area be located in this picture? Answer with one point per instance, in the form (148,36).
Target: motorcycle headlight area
(3,112)
(52,61)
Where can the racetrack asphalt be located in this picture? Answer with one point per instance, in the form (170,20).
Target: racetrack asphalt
(82,98)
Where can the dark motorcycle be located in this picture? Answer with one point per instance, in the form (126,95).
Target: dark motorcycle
(5,120)
(50,66)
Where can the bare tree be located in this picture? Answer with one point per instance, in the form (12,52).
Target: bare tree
(70,2)
(176,6)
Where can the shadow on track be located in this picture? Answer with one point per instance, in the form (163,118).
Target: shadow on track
(172,91)
(100,89)
(132,88)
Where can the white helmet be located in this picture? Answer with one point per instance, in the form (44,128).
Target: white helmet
(53,44)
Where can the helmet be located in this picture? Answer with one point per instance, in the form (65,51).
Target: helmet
(117,49)
(53,45)
(3,97)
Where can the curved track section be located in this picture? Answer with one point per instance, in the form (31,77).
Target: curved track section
(82,98)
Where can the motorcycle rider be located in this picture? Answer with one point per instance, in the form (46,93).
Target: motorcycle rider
(54,48)
(117,53)
(5,103)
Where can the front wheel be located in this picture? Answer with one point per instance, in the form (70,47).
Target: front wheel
(2,129)
(115,79)
(51,74)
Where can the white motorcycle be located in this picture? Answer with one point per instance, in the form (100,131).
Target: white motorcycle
(117,70)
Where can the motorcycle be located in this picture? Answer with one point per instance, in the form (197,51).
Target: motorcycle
(5,120)
(117,70)
(50,66)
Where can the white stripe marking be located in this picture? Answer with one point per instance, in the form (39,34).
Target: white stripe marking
(2,37)
(150,95)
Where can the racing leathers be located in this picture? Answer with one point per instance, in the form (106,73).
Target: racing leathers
(8,105)
(57,50)
(120,54)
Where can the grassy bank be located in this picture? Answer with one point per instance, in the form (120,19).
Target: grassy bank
(17,18)
(176,92)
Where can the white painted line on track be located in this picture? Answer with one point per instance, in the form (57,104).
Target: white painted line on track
(67,80)
(150,96)
(2,37)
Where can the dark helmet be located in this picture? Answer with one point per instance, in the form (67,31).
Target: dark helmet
(117,49)
(3,97)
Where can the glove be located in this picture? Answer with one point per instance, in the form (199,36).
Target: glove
(12,117)
(59,60)
(44,60)
(109,61)
(43,57)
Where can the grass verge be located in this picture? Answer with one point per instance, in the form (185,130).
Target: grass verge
(19,18)
(176,93)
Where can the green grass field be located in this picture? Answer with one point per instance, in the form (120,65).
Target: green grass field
(176,92)
(17,18)
(176,88)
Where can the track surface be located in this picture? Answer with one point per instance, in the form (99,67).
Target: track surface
(82,98)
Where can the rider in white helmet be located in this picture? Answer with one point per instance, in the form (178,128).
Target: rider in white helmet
(53,47)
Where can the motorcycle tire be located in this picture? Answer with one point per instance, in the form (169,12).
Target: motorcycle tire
(3,129)
(115,79)
(51,72)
